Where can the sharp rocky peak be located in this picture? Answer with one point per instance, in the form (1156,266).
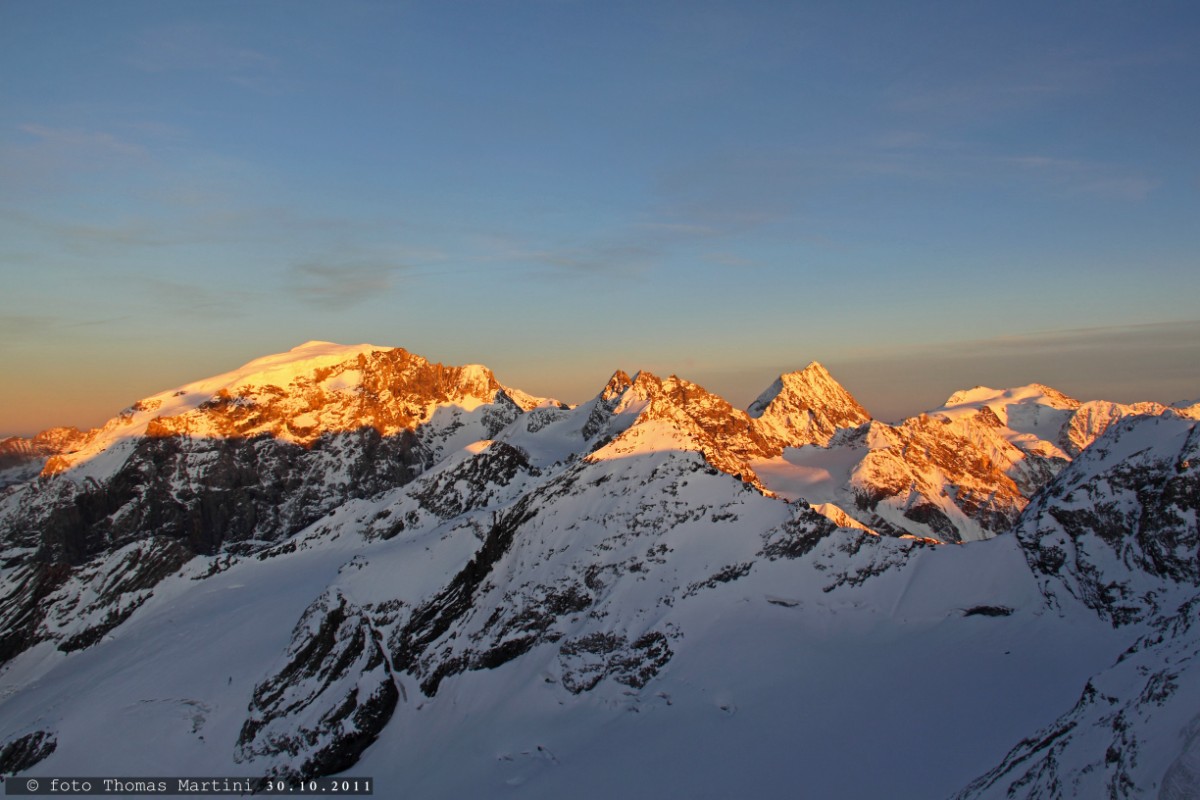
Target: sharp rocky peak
(807,407)
(616,386)
(696,418)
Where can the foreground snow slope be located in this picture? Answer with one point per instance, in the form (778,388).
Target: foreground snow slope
(763,665)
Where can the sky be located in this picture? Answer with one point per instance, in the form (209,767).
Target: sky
(923,196)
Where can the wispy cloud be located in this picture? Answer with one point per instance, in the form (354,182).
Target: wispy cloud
(86,238)
(924,157)
(40,157)
(999,85)
(340,284)
(1073,176)
(737,190)
(84,140)
(1168,335)
(196,300)
(19,331)
(622,249)
(14,326)
(1165,335)
(600,258)
(197,47)
(1125,363)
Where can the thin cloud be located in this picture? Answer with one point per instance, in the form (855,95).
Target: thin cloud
(341,286)
(625,249)
(196,300)
(1176,334)
(1124,363)
(19,331)
(1161,335)
(599,259)
(1000,88)
(737,190)
(194,47)
(83,238)
(928,159)
(37,157)
(25,325)
(83,139)
(1085,177)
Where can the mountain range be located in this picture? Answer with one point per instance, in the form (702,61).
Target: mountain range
(351,560)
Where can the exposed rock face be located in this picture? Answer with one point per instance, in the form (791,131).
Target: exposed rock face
(211,492)
(935,478)
(589,659)
(648,412)
(24,752)
(806,407)
(430,622)
(922,478)
(728,438)
(103,593)
(329,700)
(22,605)
(1117,530)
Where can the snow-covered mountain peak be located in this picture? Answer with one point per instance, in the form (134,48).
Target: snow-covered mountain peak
(281,369)
(1000,401)
(298,396)
(318,344)
(806,407)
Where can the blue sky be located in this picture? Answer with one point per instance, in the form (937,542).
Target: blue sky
(922,196)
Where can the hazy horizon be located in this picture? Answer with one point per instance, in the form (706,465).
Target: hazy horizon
(890,388)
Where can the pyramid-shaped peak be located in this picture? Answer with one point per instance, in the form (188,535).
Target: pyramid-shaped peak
(812,380)
(806,407)
(811,387)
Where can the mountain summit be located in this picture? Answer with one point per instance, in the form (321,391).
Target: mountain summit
(806,407)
